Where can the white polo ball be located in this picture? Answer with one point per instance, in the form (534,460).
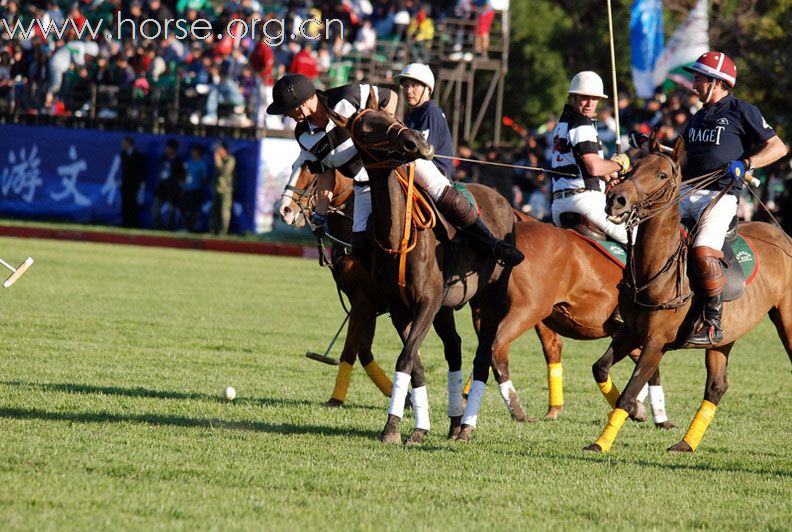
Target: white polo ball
(229,393)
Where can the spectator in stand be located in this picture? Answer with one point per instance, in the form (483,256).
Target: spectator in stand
(366,39)
(485,18)
(158,11)
(466,171)
(196,177)
(223,90)
(262,61)
(401,21)
(223,190)
(606,129)
(167,196)
(305,63)
(133,171)
(420,32)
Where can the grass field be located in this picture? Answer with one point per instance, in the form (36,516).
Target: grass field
(113,359)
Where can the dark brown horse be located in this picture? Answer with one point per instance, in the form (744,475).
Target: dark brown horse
(422,278)
(658,313)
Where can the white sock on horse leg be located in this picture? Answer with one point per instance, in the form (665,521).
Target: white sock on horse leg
(657,401)
(420,404)
(475,398)
(401,384)
(643,393)
(506,389)
(455,403)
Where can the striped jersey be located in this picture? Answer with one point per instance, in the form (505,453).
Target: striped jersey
(574,136)
(332,145)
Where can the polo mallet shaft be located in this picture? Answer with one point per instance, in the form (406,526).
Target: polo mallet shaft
(619,148)
(323,357)
(16,273)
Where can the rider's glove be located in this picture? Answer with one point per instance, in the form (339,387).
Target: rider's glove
(319,223)
(736,169)
(623,161)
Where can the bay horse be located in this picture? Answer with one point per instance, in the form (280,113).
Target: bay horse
(423,278)
(656,300)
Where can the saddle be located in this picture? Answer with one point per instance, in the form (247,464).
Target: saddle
(738,262)
(581,224)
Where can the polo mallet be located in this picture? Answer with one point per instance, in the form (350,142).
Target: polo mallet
(324,358)
(16,273)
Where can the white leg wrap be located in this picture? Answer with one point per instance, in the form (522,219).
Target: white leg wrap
(420,404)
(401,383)
(455,403)
(475,398)
(657,400)
(505,390)
(643,393)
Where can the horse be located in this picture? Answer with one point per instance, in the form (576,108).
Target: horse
(422,277)
(657,302)
(366,301)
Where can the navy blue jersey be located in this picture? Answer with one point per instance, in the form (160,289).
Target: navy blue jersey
(431,122)
(728,130)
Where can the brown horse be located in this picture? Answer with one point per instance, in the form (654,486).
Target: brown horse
(366,300)
(656,301)
(422,277)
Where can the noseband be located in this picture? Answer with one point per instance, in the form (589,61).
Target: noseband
(395,158)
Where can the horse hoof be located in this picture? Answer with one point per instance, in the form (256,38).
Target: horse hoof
(522,417)
(390,437)
(593,448)
(667,425)
(639,415)
(416,438)
(466,433)
(681,447)
(333,403)
(456,426)
(553,412)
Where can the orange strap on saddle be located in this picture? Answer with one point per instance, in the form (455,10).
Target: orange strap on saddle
(418,215)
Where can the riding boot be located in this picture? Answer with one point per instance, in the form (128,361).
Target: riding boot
(712,281)
(458,210)
(361,248)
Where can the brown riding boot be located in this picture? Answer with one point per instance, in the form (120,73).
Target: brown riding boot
(458,210)
(709,272)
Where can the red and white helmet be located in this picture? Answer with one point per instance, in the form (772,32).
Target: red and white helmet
(716,65)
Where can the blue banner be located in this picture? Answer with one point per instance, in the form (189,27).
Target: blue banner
(646,43)
(54,173)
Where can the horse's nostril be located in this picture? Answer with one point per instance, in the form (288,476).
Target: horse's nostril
(286,210)
(409,145)
(621,201)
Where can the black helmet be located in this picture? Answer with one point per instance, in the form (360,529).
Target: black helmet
(289,92)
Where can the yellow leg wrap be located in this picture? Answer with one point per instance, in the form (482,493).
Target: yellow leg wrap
(700,423)
(616,419)
(466,387)
(555,383)
(379,378)
(610,391)
(342,381)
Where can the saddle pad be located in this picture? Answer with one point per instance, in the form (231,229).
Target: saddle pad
(462,189)
(613,250)
(746,258)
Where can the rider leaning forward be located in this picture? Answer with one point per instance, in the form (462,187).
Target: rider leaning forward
(327,148)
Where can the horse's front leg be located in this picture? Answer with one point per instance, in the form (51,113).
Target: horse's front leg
(452,348)
(622,345)
(717,360)
(626,404)
(413,328)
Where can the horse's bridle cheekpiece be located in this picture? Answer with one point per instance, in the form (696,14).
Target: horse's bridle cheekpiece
(290,92)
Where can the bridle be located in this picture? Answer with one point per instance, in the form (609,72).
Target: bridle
(652,204)
(394,158)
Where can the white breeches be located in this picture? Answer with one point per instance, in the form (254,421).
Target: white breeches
(713,226)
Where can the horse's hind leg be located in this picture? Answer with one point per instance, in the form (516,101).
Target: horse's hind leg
(452,347)
(551,347)
(781,315)
(717,383)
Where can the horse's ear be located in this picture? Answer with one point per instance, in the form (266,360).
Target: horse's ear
(679,150)
(373,101)
(337,119)
(652,142)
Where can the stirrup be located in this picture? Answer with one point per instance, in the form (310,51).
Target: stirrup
(707,334)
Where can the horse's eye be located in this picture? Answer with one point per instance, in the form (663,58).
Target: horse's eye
(662,175)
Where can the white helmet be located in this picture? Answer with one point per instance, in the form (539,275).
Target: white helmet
(587,83)
(419,72)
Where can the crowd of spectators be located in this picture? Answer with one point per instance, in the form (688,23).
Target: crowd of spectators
(223,80)
(667,115)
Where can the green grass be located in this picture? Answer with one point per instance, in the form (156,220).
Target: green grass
(113,360)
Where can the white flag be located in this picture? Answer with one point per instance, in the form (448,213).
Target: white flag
(689,41)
